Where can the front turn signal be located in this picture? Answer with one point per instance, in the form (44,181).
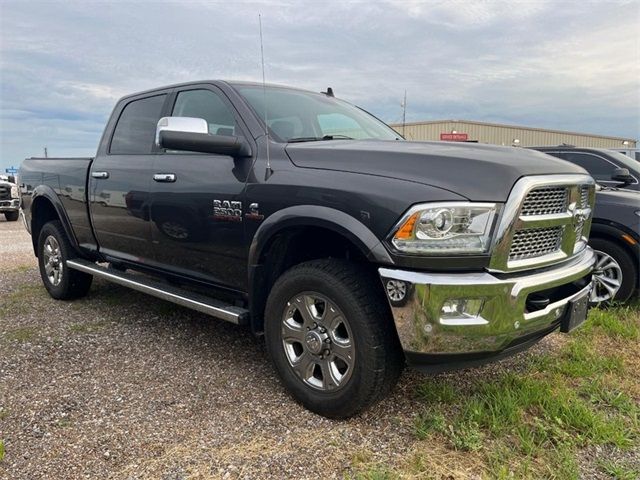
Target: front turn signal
(406,230)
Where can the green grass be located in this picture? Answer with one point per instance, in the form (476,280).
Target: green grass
(88,327)
(618,470)
(22,300)
(613,322)
(433,391)
(21,335)
(1,450)
(533,423)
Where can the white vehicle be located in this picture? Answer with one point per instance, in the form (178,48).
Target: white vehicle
(9,198)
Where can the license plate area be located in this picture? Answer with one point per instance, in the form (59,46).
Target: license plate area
(576,313)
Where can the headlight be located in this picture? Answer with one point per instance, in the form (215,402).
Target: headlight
(445,228)
(14,192)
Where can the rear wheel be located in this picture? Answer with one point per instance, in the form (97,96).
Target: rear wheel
(11,216)
(615,274)
(329,333)
(54,250)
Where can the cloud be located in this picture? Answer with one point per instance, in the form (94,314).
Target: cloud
(566,65)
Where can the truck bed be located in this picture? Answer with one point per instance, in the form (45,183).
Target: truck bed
(67,178)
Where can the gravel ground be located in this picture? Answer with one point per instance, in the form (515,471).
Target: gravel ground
(121,385)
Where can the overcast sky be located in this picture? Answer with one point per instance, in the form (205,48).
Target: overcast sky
(572,65)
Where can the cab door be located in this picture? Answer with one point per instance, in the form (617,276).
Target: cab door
(120,178)
(197,199)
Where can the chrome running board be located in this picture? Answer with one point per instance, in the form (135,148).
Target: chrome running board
(194,301)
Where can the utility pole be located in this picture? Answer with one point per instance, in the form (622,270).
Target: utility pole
(46,155)
(404,113)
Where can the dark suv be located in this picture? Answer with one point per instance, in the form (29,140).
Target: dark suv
(615,231)
(607,167)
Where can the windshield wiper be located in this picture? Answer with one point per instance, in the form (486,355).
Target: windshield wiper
(318,139)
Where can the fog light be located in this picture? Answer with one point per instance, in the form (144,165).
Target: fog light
(462,311)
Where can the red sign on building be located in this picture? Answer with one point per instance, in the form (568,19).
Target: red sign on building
(454,137)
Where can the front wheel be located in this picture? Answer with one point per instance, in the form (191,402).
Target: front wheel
(615,273)
(330,336)
(11,216)
(54,249)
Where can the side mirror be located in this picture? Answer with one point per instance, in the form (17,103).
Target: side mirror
(192,135)
(622,175)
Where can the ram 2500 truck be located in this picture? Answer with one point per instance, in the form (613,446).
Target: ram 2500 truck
(316,225)
(9,198)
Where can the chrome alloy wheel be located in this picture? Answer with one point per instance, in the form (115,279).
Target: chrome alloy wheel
(607,278)
(52,260)
(317,341)
(396,290)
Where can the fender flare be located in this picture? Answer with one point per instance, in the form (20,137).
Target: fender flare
(45,191)
(615,230)
(318,216)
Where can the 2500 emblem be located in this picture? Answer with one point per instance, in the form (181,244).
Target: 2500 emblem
(227,210)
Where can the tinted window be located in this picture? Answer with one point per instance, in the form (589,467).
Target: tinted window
(209,106)
(136,128)
(339,124)
(293,114)
(598,168)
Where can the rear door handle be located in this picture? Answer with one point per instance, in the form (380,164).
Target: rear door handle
(100,174)
(164,177)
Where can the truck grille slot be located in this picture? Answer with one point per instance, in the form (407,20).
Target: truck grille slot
(535,242)
(584,202)
(5,193)
(545,201)
(584,196)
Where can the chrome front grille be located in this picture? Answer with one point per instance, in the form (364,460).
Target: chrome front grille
(5,193)
(545,201)
(583,203)
(535,242)
(545,220)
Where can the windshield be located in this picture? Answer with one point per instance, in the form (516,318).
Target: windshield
(299,116)
(626,161)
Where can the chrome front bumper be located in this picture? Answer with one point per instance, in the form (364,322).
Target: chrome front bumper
(505,318)
(9,205)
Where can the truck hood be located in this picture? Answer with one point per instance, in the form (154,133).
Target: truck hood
(477,172)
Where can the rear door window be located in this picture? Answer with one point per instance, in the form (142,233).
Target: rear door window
(136,128)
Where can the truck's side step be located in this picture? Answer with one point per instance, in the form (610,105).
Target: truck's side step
(195,301)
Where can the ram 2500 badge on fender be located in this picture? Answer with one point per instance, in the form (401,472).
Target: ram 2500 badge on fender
(352,250)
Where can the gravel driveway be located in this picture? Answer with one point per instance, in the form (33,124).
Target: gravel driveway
(121,385)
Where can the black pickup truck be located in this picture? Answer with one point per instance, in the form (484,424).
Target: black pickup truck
(316,225)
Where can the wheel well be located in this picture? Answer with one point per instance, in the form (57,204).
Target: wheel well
(607,235)
(289,247)
(43,212)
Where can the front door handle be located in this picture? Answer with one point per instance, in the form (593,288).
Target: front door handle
(100,174)
(164,177)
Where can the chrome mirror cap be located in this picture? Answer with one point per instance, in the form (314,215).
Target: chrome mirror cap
(181,124)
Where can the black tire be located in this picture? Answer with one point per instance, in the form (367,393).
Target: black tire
(378,358)
(12,216)
(72,283)
(626,263)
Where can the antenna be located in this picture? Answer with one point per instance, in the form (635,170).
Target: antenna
(268,170)
(404,113)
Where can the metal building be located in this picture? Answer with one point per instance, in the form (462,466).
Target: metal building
(497,134)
